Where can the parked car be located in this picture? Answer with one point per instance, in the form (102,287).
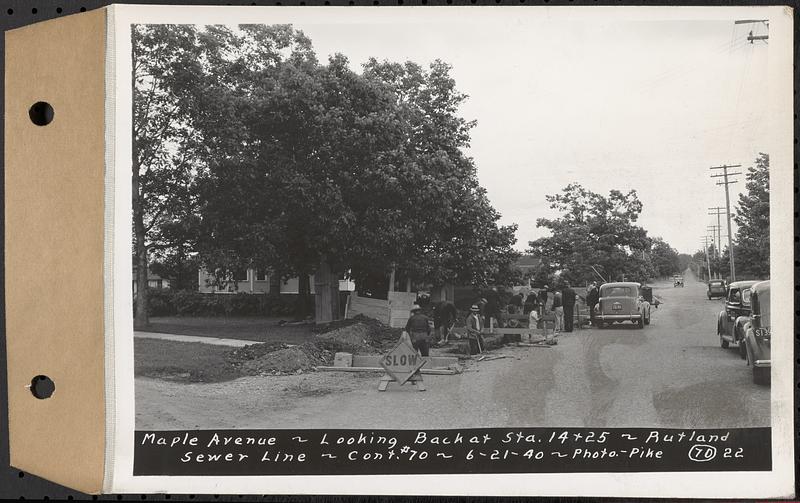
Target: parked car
(716,288)
(757,333)
(622,302)
(677,281)
(731,321)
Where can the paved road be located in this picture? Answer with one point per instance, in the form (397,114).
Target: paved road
(670,374)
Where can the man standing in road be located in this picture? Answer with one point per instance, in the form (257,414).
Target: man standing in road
(558,310)
(419,329)
(543,300)
(474,326)
(492,308)
(592,298)
(568,298)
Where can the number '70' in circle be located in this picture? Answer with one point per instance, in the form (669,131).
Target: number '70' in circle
(702,453)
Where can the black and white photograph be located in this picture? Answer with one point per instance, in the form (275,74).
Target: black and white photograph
(552,223)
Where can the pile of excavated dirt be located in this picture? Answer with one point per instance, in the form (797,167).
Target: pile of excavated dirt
(265,359)
(360,335)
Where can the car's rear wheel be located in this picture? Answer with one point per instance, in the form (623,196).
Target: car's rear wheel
(761,375)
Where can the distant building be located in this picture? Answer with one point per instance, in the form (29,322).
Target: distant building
(529,264)
(153,281)
(258,281)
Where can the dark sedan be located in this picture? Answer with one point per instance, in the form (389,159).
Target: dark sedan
(758,334)
(716,288)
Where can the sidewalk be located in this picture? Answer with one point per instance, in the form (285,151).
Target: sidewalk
(234,343)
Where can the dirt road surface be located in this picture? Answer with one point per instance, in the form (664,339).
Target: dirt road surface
(671,374)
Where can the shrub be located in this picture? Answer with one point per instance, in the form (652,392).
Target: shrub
(189,303)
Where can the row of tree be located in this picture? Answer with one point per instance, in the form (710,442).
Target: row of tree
(251,153)
(596,238)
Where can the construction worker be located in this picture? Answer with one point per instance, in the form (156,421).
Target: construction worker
(558,310)
(568,300)
(444,318)
(419,329)
(592,298)
(492,309)
(474,326)
(543,300)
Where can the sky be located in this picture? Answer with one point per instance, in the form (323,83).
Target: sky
(608,102)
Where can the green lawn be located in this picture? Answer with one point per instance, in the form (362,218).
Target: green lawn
(182,361)
(246,328)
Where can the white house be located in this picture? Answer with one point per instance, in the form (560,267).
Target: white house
(258,281)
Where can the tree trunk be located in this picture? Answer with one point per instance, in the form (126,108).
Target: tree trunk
(140,319)
(326,285)
(274,283)
(304,292)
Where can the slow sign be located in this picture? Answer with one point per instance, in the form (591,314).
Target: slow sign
(402,362)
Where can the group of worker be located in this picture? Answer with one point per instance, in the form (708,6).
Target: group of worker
(419,326)
(486,313)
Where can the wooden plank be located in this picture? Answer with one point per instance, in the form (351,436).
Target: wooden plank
(376,303)
(431,361)
(502,331)
(343,360)
(441,372)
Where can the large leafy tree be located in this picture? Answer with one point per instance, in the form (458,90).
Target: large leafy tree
(664,258)
(595,234)
(751,250)
(349,173)
(181,87)
(166,67)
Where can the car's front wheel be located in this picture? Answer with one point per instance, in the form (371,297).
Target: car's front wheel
(640,323)
(722,342)
(742,346)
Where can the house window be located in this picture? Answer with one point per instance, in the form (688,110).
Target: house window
(154,283)
(240,275)
(261,275)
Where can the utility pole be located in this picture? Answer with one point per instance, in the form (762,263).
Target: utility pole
(718,211)
(708,262)
(750,37)
(714,239)
(727,182)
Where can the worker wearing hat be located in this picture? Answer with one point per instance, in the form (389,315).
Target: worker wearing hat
(419,329)
(474,326)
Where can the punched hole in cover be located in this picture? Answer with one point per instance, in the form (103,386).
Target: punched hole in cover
(41,113)
(42,387)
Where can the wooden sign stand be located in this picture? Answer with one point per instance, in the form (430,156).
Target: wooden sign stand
(402,364)
(415,380)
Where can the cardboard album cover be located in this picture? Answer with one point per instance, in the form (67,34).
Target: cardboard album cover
(406,251)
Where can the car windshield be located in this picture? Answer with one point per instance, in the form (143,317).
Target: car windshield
(716,283)
(735,296)
(618,291)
